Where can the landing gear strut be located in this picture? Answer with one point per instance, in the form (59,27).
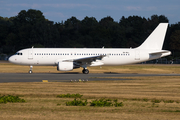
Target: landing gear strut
(85,71)
(30,71)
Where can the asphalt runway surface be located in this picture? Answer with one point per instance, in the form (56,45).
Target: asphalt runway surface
(63,77)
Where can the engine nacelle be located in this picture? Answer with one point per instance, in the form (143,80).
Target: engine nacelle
(65,66)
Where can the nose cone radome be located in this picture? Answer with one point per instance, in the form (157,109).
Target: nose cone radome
(12,59)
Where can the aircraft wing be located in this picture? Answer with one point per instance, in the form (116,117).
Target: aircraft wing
(88,60)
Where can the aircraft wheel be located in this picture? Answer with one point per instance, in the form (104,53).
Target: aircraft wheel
(30,71)
(31,67)
(85,71)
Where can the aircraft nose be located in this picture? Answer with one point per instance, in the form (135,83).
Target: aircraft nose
(12,59)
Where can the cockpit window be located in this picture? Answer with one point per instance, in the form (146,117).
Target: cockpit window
(18,53)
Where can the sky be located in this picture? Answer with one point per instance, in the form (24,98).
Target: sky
(61,10)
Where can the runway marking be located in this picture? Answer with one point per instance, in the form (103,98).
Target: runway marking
(44,80)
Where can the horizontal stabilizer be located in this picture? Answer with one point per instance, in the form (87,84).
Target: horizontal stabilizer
(159,52)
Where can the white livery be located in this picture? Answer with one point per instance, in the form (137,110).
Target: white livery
(67,59)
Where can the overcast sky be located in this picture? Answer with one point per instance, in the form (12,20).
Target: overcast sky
(58,10)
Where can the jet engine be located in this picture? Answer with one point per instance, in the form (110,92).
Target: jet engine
(65,66)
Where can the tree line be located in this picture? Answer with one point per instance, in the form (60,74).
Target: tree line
(31,28)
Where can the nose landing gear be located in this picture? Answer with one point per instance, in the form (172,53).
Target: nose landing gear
(30,71)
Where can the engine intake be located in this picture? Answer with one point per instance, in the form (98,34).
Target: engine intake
(65,66)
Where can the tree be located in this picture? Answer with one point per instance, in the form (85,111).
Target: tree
(175,40)
(31,16)
(134,30)
(30,28)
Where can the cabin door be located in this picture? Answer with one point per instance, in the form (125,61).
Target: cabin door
(30,54)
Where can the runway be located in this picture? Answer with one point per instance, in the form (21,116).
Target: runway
(61,77)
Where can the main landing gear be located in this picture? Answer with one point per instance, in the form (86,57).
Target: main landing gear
(30,71)
(85,71)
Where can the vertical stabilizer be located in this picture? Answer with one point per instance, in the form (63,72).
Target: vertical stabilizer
(156,38)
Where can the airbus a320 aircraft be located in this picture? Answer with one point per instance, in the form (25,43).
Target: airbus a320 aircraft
(67,59)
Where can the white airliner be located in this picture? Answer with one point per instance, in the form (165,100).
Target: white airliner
(67,59)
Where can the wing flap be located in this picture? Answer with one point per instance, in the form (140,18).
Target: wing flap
(89,59)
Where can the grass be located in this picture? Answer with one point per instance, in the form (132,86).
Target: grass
(69,95)
(136,95)
(77,102)
(139,96)
(135,68)
(11,99)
